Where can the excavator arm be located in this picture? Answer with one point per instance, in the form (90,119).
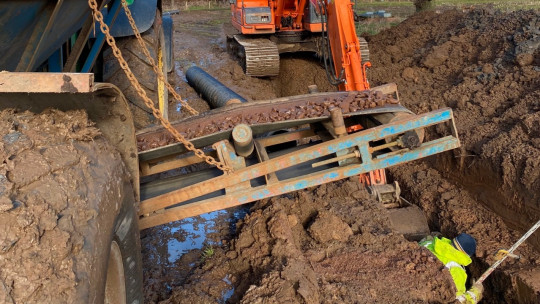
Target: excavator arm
(345,46)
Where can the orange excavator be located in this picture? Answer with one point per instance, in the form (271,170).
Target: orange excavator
(271,27)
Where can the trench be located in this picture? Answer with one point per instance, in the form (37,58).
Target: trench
(182,246)
(455,197)
(476,185)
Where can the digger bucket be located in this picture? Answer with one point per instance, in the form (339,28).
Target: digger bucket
(105,104)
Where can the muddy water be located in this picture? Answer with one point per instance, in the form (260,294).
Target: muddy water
(172,252)
(202,232)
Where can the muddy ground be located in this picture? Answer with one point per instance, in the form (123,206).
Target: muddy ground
(57,174)
(332,243)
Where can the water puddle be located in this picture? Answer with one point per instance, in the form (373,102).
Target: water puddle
(193,233)
(227,294)
(171,252)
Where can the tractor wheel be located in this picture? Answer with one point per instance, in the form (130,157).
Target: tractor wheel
(68,226)
(142,69)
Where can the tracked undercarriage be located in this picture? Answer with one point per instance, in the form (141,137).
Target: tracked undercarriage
(259,56)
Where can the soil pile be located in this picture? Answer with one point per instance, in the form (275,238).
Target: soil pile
(53,168)
(300,248)
(486,66)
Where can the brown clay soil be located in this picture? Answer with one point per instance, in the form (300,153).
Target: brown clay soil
(326,245)
(486,66)
(53,168)
(333,244)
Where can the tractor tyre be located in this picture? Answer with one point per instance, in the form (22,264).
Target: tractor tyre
(156,90)
(68,226)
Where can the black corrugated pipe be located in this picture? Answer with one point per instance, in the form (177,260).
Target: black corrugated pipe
(214,92)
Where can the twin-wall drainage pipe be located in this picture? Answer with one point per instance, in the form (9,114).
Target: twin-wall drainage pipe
(214,92)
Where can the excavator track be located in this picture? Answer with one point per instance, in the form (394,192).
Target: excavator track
(364,49)
(259,56)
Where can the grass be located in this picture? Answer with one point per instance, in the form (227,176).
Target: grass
(207,253)
(402,9)
(502,4)
(373,28)
(197,5)
(206,8)
(507,5)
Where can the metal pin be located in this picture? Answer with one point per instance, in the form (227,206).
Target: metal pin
(243,140)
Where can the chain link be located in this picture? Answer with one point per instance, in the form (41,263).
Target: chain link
(142,93)
(156,69)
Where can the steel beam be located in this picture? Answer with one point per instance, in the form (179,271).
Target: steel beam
(34,82)
(358,140)
(314,179)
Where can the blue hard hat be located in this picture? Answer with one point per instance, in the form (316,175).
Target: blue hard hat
(466,243)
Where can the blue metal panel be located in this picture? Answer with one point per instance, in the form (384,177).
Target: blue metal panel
(23,22)
(116,6)
(17,21)
(55,61)
(144,13)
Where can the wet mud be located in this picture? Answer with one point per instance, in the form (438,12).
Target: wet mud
(474,63)
(486,66)
(55,171)
(300,248)
(200,39)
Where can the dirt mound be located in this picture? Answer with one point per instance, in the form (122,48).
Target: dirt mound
(486,66)
(49,198)
(301,249)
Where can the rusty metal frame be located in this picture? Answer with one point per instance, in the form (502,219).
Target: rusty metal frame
(105,104)
(262,143)
(167,163)
(44,24)
(154,210)
(34,82)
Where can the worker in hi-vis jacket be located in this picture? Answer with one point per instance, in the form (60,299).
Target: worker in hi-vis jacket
(455,255)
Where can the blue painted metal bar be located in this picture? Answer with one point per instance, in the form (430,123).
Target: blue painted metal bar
(100,37)
(360,139)
(302,182)
(354,140)
(55,62)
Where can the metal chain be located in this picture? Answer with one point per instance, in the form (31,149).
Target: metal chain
(156,69)
(142,93)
